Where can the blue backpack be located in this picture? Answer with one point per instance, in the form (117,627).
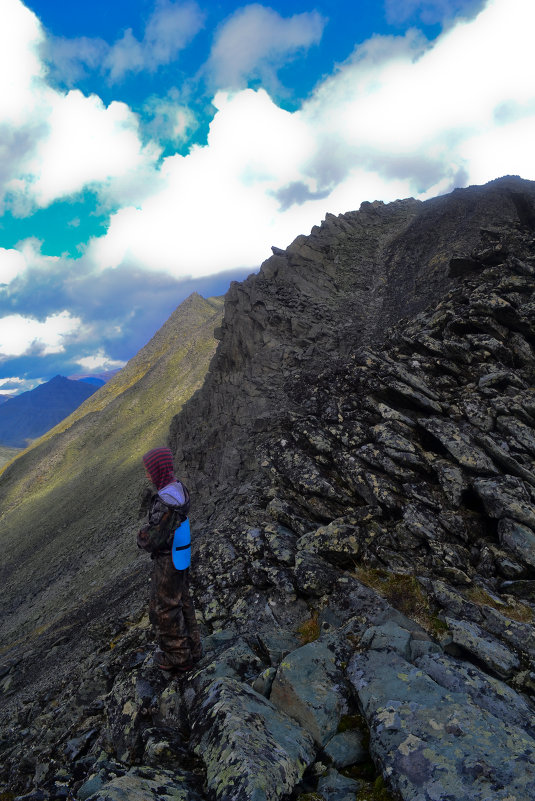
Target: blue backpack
(181,547)
(177,522)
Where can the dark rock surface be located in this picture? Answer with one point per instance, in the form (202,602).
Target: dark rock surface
(363,458)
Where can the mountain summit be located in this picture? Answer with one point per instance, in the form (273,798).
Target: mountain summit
(362,459)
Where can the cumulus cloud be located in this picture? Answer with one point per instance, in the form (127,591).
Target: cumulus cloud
(414,103)
(20,66)
(87,144)
(256,41)
(12,385)
(21,265)
(169,29)
(21,83)
(19,334)
(54,144)
(402,116)
(504,150)
(430,11)
(12,264)
(216,208)
(99,361)
(170,119)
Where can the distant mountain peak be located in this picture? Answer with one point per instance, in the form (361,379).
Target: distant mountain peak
(30,414)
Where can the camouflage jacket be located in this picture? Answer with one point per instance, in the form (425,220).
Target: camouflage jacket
(168,508)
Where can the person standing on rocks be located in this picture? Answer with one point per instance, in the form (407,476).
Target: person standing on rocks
(166,537)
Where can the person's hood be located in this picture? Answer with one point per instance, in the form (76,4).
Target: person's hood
(159,464)
(173,494)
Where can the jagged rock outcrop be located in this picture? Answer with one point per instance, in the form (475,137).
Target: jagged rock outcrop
(363,454)
(328,294)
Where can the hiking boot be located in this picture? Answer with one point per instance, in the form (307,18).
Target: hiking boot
(162,661)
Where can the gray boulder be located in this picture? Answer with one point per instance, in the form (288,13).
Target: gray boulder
(346,748)
(140,784)
(309,687)
(250,749)
(335,787)
(435,743)
(492,653)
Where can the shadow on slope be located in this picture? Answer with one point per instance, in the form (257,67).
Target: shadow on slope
(55,497)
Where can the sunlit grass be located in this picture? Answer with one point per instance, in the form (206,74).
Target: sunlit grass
(405,593)
(513,610)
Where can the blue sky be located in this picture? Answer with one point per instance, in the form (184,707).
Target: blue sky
(151,148)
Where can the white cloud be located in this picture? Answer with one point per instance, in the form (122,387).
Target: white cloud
(100,361)
(216,209)
(126,55)
(15,262)
(72,59)
(12,264)
(19,335)
(430,11)
(170,118)
(87,144)
(12,385)
(412,106)
(55,144)
(9,387)
(21,87)
(20,66)
(505,150)
(169,30)
(401,117)
(256,41)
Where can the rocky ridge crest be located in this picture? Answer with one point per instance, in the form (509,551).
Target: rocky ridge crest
(364,573)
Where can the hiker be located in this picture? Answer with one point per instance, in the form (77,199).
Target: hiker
(171,609)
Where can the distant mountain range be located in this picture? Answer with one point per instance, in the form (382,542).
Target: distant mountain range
(32,413)
(91,379)
(95,378)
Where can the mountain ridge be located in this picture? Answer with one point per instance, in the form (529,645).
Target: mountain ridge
(362,451)
(353,248)
(31,414)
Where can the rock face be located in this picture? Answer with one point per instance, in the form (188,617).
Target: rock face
(363,454)
(327,295)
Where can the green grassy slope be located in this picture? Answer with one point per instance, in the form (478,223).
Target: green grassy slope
(8,454)
(70,502)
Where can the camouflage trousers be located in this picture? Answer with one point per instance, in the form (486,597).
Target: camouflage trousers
(171,611)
